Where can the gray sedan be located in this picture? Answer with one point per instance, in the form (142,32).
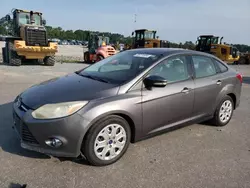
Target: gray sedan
(96,112)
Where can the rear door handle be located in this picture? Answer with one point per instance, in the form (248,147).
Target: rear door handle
(218,82)
(185,90)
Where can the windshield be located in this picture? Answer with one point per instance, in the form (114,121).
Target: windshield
(205,41)
(122,67)
(149,35)
(24,18)
(215,40)
(145,35)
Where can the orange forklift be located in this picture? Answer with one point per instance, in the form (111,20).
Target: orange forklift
(98,48)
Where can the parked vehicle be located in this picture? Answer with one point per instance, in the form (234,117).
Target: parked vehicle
(98,48)
(213,45)
(99,110)
(28,40)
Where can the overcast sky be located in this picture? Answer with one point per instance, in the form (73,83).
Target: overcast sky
(175,20)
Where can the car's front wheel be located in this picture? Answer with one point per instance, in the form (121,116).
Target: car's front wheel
(107,141)
(224,112)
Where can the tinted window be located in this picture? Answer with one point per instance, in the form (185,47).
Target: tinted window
(204,66)
(172,69)
(222,67)
(121,67)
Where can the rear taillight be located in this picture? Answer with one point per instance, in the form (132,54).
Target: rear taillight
(239,76)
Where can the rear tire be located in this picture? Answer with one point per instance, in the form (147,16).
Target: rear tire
(49,61)
(104,147)
(223,112)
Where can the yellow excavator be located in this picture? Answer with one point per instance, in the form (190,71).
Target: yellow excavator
(213,45)
(29,40)
(144,38)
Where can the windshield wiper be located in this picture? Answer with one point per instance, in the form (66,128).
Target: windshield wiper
(94,78)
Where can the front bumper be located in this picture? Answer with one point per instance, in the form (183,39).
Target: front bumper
(33,133)
(35,52)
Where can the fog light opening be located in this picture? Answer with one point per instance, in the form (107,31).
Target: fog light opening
(54,142)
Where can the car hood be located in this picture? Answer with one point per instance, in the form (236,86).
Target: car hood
(72,87)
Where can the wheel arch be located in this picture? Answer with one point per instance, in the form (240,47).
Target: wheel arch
(101,53)
(233,96)
(122,114)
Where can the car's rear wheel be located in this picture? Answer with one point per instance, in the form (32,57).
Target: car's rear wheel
(107,141)
(224,112)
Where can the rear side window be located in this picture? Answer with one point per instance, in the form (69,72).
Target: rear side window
(203,66)
(220,65)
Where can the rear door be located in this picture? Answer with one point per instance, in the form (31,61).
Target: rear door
(208,84)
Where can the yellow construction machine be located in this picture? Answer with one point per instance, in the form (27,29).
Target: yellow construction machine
(244,58)
(213,45)
(29,40)
(144,38)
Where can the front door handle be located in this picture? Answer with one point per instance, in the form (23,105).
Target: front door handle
(218,82)
(185,90)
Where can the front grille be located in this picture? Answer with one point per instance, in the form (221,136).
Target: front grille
(27,135)
(36,37)
(22,128)
(111,51)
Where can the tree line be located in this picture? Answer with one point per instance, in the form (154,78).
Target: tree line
(82,35)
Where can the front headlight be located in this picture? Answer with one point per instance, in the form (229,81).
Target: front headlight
(58,110)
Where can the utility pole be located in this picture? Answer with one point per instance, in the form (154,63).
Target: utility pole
(135,17)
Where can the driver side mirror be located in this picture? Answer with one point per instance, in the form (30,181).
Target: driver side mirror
(44,22)
(154,81)
(133,33)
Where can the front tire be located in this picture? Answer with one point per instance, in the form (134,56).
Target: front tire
(99,58)
(13,58)
(86,57)
(224,112)
(49,61)
(4,55)
(107,141)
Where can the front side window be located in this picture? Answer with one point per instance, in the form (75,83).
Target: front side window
(203,66)
(122,67)
(172,69)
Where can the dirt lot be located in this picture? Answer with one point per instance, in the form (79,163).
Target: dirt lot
(194,156)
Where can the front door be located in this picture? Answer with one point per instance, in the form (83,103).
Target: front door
(174,102)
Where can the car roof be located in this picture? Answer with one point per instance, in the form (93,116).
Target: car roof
(170,51)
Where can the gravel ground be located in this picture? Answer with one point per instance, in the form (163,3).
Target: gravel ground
(194,156)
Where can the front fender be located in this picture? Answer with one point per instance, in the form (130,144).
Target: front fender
(102,53)
(128,105)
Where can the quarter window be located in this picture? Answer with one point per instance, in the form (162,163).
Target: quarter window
(203,66)
(172,69)
(222,67)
